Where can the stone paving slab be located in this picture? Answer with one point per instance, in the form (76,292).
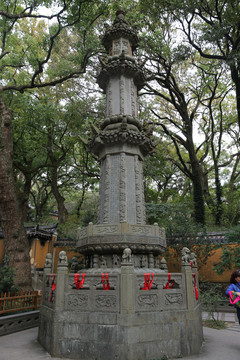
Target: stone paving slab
(219,345)
(235,328)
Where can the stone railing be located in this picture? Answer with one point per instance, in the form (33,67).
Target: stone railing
(78,313)
(166,293)
(210,237)
(13,323)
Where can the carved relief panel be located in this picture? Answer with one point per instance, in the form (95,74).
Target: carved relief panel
(147,301)
(77,302)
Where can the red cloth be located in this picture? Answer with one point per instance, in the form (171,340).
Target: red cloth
(148,283)
(195,286)
(78,283)
(105,282)
(167,286)
(53,288)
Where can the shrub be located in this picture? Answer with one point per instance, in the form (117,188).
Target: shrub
(7,277)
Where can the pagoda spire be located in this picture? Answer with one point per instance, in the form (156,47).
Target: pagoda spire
(121,143)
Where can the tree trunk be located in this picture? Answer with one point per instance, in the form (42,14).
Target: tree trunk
(62,211)
(11,214)
(199,210)
(197,181)
(218,192)
(236,79)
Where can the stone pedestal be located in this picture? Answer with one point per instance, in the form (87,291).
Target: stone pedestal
(104,243)
(125,322)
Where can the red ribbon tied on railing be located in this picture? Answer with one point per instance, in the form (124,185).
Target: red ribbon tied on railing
(148,281)
(79,283)
(167,286)
(195,286)
(53,288)
(105,282)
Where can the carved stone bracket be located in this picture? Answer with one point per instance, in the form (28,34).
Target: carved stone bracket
(121,65)
(122,135)
(118,119)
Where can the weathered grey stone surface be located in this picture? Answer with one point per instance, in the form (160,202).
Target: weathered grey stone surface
(125,322)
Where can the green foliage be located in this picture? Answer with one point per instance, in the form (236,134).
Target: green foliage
(68,230)
(215,324)
(233,235)
(231,205)
(28,42)
(59,118)
(230,257)
(176,218)
(164,182)
(88,213)
(181,230)
(7,277)
(211,295)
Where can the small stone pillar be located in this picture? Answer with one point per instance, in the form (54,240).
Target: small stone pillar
(163,265)
(186,269)
(95,261)
(150,261)
(48,264)
(127,283)
(62,270)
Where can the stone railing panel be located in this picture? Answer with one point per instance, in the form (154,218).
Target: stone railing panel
(92,297)
(161,296)
(13,323)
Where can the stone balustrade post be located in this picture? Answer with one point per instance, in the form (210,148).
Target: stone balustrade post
(62,270)
(48,265)
(127,287)
(187,271)
(47,269)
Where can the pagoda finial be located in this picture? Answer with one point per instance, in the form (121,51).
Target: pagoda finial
(120,15)
(120,11)
(120,29)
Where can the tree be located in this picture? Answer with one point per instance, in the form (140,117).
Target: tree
(27,48)
(175,108)
(210,27)
(215,125)
(188,92)
(163,181)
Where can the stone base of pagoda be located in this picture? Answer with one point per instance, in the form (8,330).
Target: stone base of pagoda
(127,322)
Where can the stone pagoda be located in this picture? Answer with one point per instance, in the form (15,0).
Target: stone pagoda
(121,306)
(121,145)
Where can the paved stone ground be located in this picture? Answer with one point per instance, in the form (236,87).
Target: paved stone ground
(218,345)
